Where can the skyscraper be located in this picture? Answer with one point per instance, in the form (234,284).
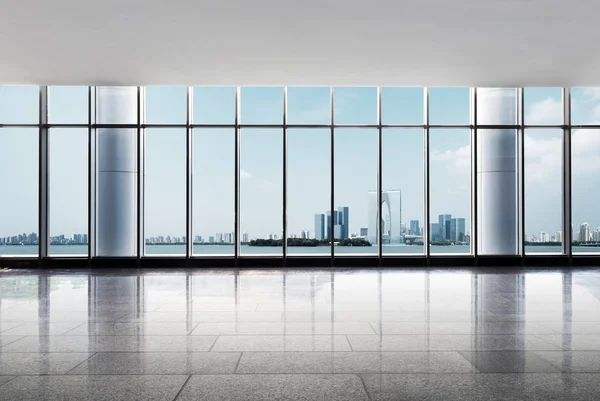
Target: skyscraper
(559,236)
(331,222)
(460,230)
(344,221)
(320,226)
(414,227)
(444,223)
(584,232)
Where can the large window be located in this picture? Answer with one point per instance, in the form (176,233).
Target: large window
(213,193)
(308,190)
(165,191)
(261,191)
(68,191)
(19,173)
(142,171)
(19,183)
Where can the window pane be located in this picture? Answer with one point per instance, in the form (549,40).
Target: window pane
(543,191)
(68,191)
(403,205)
(309,190)
(496,106)
(165,191)
(585,106)
(308,105)
(213,190)
(19,183)
(402,105)
(450,190)
(214,105)
(166,105)
(261,191)
(449,106)
(262,105)
(543,106)
(68,104)
(355,105)
(19,104)
(355,169)
(585,170)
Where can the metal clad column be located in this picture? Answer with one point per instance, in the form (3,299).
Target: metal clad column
(117,171)
(497,171)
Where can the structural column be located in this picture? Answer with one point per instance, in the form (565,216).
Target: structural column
(497,172)
(116,165)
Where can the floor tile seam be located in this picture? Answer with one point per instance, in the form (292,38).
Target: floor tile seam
(283,374)
(287,352)
(182,387)
(3,332)
(13,341)
(373,328)
(189,333)
(2,384)
(213,344)
(362,380)
(237,365)
(76,327)
(81,363)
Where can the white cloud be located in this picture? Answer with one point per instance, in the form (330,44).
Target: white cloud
(542,157)
(460,158)
(585,148)
(591,94)
(244,175)
(547,111)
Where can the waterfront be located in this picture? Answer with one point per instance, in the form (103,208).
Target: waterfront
(200,250)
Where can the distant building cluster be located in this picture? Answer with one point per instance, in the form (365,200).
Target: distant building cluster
(21,239)
(586,235)
(339,221)
(77,239)
(160,240)
(449,229)
(545,237)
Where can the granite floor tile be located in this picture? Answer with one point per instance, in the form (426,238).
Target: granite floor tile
(39,364)
(5,340)
(63,317)
(574,327)
(486,386)
(441,342)
(574,342)
(281,343)
(207,306)
(97,388)
(133,329)
(198,317)
(482,328)
(5,379)
(573,361)
(111,344)
(509,362)
(159,363)
(353,362)
(42,328)
(4,325)
(274,387)
(292,328)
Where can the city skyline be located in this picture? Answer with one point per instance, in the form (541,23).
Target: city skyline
(308,183)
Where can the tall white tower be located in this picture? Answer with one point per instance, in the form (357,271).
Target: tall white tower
(116,165)
(497,172)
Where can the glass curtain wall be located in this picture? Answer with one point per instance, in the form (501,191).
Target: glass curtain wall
(298,171)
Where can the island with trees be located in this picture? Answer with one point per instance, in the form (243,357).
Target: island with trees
(310,242)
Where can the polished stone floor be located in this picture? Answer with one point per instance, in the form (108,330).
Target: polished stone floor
(300,335)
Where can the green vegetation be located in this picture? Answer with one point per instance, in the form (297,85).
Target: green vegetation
(309,242)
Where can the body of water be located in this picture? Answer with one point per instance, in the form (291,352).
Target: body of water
(200,250)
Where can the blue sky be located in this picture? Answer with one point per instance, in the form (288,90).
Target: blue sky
(308,158)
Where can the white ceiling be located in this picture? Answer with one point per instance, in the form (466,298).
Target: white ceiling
(301,42)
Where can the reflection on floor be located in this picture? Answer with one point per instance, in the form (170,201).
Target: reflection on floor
(301,334)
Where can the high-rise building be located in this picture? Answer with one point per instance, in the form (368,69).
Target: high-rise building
(320,226)
(543,236)
(303,234)
(596,235)
(414,228)
(211,239)
(444,223)
(245,237)
(344,221)
(435,232)
(559,236)
(460,229)
(364,232)
(337,231)
(584,232)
